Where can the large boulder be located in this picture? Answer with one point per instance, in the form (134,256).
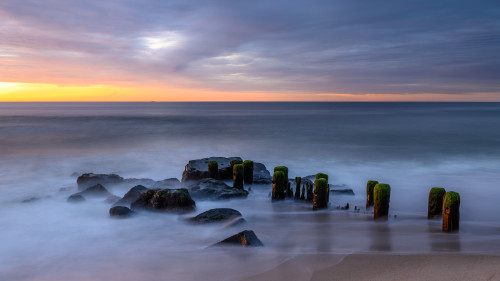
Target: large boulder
(216,215)
(198,169)
(132,195)
(261,174)
(246,238)
(120,212)
(76,198)
(90,179)
(165,200)
(211,189)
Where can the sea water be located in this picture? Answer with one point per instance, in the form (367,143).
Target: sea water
(411,146)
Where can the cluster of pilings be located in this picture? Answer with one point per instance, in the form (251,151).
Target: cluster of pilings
(318,195)
(440,203)
(242,172)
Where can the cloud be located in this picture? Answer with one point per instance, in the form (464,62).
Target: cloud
(352,47)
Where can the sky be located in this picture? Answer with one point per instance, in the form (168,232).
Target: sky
(160,50)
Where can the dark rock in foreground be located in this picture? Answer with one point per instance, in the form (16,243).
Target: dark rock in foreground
(165,200)
(90,179)
(197,169)
(216,215)
(76,198)
(120,212)
(211,189)
(246,238)
(132,195)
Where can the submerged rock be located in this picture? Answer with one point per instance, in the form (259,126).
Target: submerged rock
(165,200)
(246,238)
(90,179)
(346,191)
(120,212)
(132,195)
(31,199)
(197,169)
(167,183)
(97,190)
(216,215)
(75,198)
(211,189)
(112,199)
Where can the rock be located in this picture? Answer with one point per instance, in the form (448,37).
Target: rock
(132,195)
(260,174)
(197,169)
(31,199)
(97,190)
(346,191)
(216,215)
(76,198)
(167,183)
(246,238)
(112,199)
(211,189)
(120,212)
(165,200)
(90,179)
(134,182)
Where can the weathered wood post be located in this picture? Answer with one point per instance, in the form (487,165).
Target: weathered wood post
(369,193)
(309,192)
(303,195)
(297,187)
(248,171)
(279,183)
(325,176)
(451,212)
(320,193)
(213,170)
(435,206)
(238,176)
(381,199)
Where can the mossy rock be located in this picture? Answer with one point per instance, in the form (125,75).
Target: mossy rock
(165,199)
(248,171)
(213,169)
(322,176)
(283,169)
(279,185)
(435,206)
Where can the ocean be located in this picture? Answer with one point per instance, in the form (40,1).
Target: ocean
(411,146)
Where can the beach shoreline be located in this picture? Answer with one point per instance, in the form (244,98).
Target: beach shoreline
(387,266)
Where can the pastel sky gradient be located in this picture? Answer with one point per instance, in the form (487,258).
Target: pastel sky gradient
(145,50)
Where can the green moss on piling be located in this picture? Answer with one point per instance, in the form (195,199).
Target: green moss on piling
(381,192)
(248,171)
(451,199)
(213,169)
(284,169)
(322,176)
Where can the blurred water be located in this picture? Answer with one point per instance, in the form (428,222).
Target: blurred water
(412,146)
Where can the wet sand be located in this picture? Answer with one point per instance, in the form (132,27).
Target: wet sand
(385,267)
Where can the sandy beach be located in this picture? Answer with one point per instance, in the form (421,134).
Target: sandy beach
(385,267)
